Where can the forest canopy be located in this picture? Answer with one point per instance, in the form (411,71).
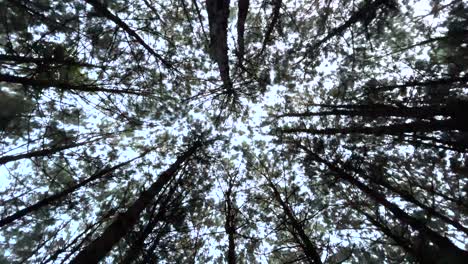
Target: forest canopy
(222,131)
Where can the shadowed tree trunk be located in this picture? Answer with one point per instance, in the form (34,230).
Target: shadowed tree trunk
(100,247)
(241,17)
(137,246)
(218,14)
(59,196)
(230,224)
(447,251)
(308,247)
(396,129)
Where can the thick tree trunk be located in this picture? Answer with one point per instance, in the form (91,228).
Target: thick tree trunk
(100,247)
(218,15)
(241,17)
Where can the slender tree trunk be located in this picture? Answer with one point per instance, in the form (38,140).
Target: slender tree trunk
(241,17)
(63,85)
(366,12)
(40,153)
(122,224)
(448,252)
(396,129)
(102,9)
(230,226)
(48,201)
(309,248)
(273,21)
(402,242)
(410,198)
(137,246)
(454,110)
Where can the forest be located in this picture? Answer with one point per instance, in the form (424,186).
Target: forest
(223,131)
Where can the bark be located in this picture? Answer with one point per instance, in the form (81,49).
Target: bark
(50,200)
(63,85)
(123,223)
(309,248)
(448,252)
(241,17)
(102,9)
(218,14)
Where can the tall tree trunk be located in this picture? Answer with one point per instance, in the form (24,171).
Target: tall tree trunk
(402,242)
(448,252)
(218,15)
(230,224)
(241,17)
(273,21)
(396,129)
(102,9)
(41,153)
(309,248)
(100,247)
(455,109)
(364,14)
(138,244)
(59,196)
(410,198)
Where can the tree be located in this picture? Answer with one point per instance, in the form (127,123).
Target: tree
(233,131)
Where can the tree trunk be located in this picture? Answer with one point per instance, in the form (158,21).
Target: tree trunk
(309,248)
(100,247)
(396,129)
(59,196)
(218,14)
(448,252)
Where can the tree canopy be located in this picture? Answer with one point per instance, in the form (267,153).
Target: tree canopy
(219,131)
